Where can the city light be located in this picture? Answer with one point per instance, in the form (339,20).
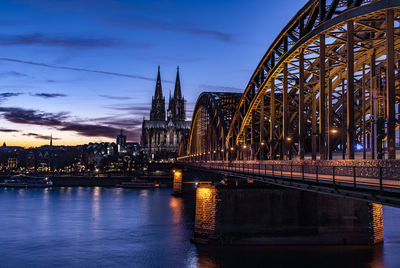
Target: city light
(334,131)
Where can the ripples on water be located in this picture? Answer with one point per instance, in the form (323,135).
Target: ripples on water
(112,227)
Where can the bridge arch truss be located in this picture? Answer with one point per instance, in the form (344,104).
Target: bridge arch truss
(328,84)
(212,115)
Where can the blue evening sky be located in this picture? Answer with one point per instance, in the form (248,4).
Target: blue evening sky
(82,69)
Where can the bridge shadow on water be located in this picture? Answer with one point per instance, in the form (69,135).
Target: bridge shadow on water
(376,256)
(292,256)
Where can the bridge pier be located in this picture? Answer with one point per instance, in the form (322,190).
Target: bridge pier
(237,215)
(177,185)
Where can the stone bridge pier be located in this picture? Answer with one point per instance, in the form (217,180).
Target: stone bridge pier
(177,183)
(272,215)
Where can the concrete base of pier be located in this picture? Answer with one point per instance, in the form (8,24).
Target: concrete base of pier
(265,216)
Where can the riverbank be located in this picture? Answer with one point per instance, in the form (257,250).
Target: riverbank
(103,181)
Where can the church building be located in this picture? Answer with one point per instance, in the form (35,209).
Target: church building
(161,135)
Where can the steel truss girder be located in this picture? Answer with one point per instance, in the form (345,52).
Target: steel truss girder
(250,102)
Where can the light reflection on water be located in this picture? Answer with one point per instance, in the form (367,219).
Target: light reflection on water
(115,227)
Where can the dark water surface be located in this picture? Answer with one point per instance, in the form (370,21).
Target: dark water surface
(111,227)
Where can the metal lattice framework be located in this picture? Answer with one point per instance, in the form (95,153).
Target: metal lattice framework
(328,83)
(211,117)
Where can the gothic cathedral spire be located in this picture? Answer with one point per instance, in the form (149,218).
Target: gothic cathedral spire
(158,93)
(177,90)
(176,107)
(157,112)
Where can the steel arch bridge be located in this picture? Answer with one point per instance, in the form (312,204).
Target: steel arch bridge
(328,84)
(212,115)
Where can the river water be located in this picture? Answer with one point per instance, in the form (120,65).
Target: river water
(113,227)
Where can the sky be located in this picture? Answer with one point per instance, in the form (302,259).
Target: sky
(81,70)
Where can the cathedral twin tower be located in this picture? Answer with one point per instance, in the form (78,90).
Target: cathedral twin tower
(161,136)
(176,105)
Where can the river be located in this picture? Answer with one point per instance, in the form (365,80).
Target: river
(114,227)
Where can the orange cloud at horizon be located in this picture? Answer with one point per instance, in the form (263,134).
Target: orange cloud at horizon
(59,138)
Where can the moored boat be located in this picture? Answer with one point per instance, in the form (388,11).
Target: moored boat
(138,184)
(27,181)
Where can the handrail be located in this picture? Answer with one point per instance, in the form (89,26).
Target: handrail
(353,176)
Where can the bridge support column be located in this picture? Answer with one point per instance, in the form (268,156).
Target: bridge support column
(330,130)
(322,98)
(390,85)
(301,105)
(350,90)
(314,132)
(232,215)
(177,187)
(272,122)
(262,129)
(285,115)
(372,97)
(344,120)
(253,145)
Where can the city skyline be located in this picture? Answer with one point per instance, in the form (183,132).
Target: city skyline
(82,72)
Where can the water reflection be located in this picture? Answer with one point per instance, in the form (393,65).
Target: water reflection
(291,256)
(176,205)
(77,227)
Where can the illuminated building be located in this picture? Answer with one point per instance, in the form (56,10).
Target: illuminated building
(161,136)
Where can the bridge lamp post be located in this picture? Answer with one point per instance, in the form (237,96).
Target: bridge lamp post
(244,152)
(289,141)
(333,132)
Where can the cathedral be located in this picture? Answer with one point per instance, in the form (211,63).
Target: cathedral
(162,135)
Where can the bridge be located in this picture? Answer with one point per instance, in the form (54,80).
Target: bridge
(308,150)
(321,110)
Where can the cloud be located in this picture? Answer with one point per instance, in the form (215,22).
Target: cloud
(14,73)
(34,117)
(134,109)
(114,97)
(4,96)
(82,70)
(40,136)
(48,95)
(9,94)
(8,130)
(121,123)
(91,130)
(131,107)
(102,127)
(73,42)
(166,27)
(220,88)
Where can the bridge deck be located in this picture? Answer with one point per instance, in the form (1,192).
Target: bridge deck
(379,184)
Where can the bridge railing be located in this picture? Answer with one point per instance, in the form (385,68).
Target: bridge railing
(356,176)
